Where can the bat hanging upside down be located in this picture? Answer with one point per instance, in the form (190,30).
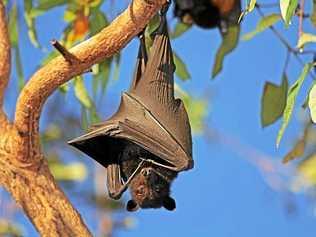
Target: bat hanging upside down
(147,142)
(208,13)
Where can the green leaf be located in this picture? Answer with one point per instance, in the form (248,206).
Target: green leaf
(196,108)
(263,24)
(19,68)
(45,5)
(312,102)
(251,5)
(10,229)
(304,39)
(81,92)
(64,88)
(13,26)
(229,43)
(291,98)
(313,15)
(273,101)
(297,151)
(181,69)
(28,6)
(69,16)
(117,60)
(307,170)
(70,172)
(288,8)
(98,22)
(94,117)
(299,148)
(101,75)
(179,30)
(84,118)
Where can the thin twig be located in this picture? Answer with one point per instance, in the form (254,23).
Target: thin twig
(69,57)
(287,61)
(294,51)
(301,14)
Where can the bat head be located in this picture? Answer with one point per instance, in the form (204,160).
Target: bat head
(150,189)
(207,13)
(202,13)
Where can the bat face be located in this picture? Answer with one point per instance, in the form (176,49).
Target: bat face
(150,187)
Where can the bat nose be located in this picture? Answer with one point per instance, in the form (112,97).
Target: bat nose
(146,172)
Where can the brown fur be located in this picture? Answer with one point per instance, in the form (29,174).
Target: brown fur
(151,186)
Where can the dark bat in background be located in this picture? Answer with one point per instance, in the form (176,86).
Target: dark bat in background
(147,142)
(208,13)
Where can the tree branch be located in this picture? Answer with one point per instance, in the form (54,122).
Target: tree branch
(104,44)
(5,55)
(23,170)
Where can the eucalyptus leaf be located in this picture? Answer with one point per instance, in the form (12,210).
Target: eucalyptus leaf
(13,26)
(312,102)
(70,172)
(306,38)
(229,43)
(180,29)
(273,101)
(313,15)
(196,108)
(291,98)
(81,92)
(262,25)
(251,5)
(98,22)
(288,8)
(181,69)
(30,22)
(45,5)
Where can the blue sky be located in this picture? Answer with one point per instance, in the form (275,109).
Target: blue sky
(224,195)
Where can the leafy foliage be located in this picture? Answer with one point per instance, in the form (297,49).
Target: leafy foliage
(263,24)
(291,98)
(229,43)
(273,101)
(288,8)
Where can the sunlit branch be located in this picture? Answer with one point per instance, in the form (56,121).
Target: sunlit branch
(5,55)
(103,45)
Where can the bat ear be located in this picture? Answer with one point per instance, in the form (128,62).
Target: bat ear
(131,206)
(169,203)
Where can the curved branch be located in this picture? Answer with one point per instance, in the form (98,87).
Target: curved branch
(104,44)
(5,55)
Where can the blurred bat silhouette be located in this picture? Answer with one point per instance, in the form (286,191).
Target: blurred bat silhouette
(208,13)
(147,142)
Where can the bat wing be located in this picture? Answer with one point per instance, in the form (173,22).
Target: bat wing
(141,62)
(148,116)
(155,92)
(135,123)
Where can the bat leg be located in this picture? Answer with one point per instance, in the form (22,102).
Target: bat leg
(178,168)
(115,185)
(114,181)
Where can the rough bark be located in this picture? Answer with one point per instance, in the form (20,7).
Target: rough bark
(23,169)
